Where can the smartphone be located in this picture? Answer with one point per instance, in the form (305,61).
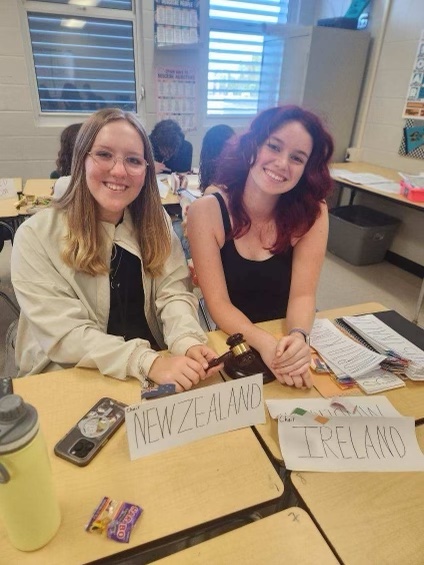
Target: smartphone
(82,443)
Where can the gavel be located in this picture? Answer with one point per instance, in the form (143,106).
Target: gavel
(242,360)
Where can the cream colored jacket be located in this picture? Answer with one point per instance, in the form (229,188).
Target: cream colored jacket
(64,313)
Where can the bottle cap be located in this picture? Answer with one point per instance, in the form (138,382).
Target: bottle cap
(18,423)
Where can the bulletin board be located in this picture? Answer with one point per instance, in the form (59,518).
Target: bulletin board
(412,142)
(414,105)
(176,96)
(176,22)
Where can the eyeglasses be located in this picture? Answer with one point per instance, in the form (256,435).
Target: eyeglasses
(106,161)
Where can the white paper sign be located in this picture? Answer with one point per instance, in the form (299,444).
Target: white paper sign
(156,425)
(351,444)
(378,406)
(7,188)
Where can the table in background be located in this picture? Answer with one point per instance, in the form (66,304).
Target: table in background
(399,198)
(408,400)
(368,517)
(385,172)
(180,488)
(9,214)
(7,205)
(39,187)
(289,536)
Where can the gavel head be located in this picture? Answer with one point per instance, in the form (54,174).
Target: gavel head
(240,349)
(237,344)
(242,360)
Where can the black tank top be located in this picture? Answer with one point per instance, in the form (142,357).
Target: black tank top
(260,289)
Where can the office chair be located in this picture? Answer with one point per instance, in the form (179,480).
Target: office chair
(7,227)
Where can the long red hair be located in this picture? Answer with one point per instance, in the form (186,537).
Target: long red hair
(296,210)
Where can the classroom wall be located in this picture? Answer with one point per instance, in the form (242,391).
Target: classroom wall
(28,149)
(396,26)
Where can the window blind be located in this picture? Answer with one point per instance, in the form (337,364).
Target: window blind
(238,67)
(83,64)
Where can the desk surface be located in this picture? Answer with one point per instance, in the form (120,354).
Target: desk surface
(39,187)
(409,401)
(170,199)
(361,167)
(178,489)
(368,517)
(289,536)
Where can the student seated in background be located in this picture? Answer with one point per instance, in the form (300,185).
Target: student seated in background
(212,145)
(172,152)
(100,277)
(258,242)
(64,157)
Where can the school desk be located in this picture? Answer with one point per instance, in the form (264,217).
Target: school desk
(409,400)
(186,487)
(7,205)
(385,172)
(390,174)
(39,187)
(289,536)
(368,517)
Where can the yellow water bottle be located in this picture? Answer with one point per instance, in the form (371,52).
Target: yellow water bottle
(29,510)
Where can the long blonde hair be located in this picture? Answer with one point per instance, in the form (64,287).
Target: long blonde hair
(85,246)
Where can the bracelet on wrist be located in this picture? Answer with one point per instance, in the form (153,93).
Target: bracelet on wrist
(302,332)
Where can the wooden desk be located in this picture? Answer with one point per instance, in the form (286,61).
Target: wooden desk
(289,536)
(7,205)
(181,488)
(368,517)
(170,199)
(399,198)
(409,401)
(39,187)
(377,170)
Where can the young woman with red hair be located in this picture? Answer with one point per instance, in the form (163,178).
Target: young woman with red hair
(258,237)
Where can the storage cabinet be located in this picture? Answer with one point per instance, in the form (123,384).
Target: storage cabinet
(323,70)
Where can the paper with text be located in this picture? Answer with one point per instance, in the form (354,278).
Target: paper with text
(384,339)
(350,444)
(350,357)
(7,188)
(379,380)
(157,425)
(378,406)
(163,185)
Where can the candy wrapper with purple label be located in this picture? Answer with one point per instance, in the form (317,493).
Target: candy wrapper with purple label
(115,518)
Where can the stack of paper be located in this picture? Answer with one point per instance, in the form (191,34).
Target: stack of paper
(388,342)
(347,357)
(377,182)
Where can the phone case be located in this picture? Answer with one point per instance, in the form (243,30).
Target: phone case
(81,444)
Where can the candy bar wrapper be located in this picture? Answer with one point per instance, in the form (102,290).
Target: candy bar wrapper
(115,518)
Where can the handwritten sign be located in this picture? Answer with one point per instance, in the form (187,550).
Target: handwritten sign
(350,444)
(7,188)
(378,406)
(157,425)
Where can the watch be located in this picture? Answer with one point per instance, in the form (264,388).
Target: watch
(305,335)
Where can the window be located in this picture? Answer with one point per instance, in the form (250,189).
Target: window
(239,56)
(83,62)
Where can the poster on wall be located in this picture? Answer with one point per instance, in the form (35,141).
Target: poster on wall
(176,22)
(414,106)
(176,96)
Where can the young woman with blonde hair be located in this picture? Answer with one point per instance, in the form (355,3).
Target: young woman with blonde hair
(100,277)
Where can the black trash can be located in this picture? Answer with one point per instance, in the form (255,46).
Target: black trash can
(360,235)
